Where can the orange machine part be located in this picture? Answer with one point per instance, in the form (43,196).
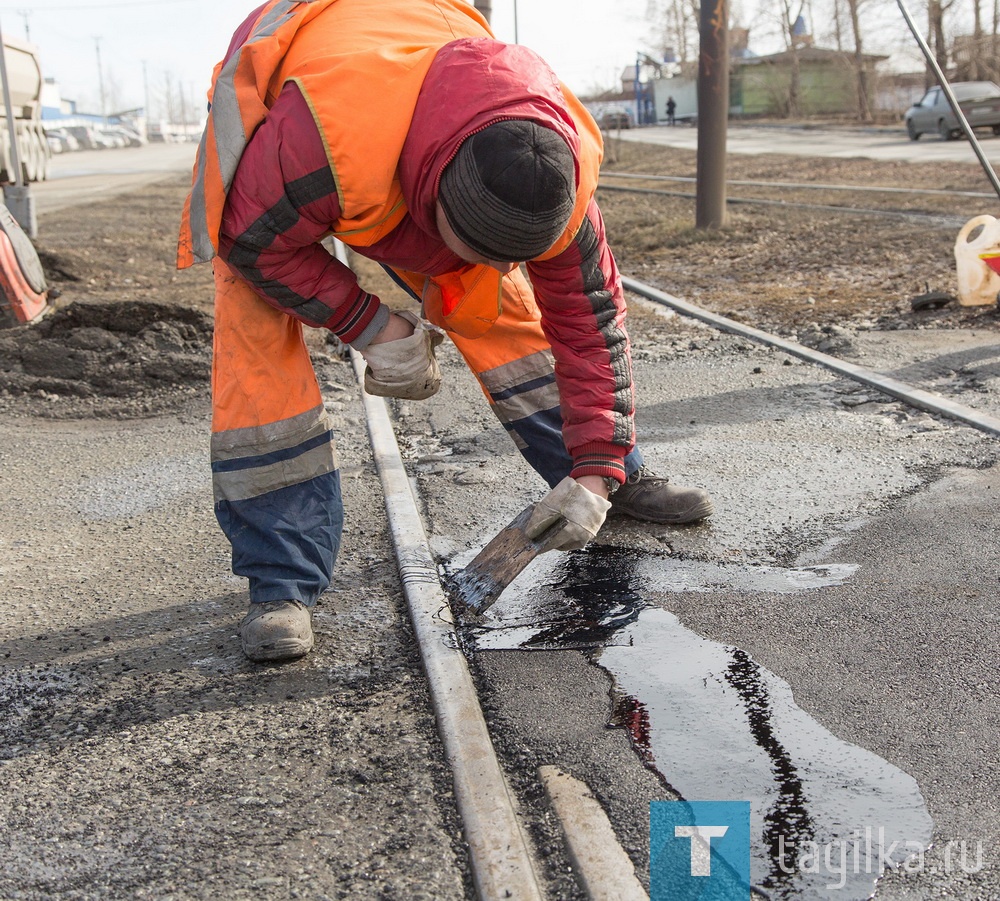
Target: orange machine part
(18,300)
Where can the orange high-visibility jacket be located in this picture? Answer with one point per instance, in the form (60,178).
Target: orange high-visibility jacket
(392,88)
(362,99)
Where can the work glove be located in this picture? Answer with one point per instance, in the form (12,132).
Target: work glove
(405,367)
(574,515)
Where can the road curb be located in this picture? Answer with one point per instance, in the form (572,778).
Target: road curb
(603,869)
(502,864)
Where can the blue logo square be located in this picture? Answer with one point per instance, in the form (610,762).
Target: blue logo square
(699,850)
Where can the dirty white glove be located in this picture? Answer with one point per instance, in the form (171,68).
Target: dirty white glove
(580,511)
(405,367)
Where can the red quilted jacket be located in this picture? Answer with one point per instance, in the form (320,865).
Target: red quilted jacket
(283,202)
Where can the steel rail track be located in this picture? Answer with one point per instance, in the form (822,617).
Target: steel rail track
(499,855)
(915,397)
(501,858)
(872,189)
(501,861)
(938,220)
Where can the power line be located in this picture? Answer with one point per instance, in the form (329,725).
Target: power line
(26,14)
(86,6)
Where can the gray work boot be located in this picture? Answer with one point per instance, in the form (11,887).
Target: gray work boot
(654,499)
(277,630)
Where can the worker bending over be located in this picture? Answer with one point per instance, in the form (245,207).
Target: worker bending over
(405,130)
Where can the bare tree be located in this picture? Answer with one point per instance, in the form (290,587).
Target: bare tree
(976,67)
(113,92)
(936,11)
(675,22)
(860,66)
(778,19)
(168,102)
(994,53)
(974,56)
(793,105)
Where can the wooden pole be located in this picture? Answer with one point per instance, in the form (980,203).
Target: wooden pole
(713,114)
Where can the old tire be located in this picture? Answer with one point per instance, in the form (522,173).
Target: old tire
(947,134)
(911,131)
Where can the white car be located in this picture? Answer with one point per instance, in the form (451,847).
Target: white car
(130,137)
(61,141)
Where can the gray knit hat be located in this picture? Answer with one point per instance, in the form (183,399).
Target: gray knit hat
(510,190)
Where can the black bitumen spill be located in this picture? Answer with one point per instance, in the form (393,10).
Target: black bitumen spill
(827,817)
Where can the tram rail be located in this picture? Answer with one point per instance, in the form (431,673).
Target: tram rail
(915,397)
(501,858)
(805,186)
(935,212)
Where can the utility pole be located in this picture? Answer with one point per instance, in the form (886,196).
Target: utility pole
(100,80)
(713,114)
(637,88)
(195,109)
(27,31)
(145,92)
(17,196)
(170,99)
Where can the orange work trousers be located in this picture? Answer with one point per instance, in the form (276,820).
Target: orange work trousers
(274,464)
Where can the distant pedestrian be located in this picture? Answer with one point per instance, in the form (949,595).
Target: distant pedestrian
(671,109)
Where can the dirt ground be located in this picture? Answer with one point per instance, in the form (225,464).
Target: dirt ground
(790,269)
(130,335)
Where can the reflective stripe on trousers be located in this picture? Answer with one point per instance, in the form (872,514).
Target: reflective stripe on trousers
(274,465)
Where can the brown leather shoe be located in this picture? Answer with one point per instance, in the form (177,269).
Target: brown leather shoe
(654,499)
(277,630)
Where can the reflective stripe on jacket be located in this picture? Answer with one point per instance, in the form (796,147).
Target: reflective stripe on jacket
(388,91)
(363,101)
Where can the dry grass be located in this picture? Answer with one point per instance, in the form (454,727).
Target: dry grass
(783,267)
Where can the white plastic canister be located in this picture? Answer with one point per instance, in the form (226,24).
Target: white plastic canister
(978,284)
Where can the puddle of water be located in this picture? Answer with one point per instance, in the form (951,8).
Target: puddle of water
(718,726)
(827,817)
(692,575)
(826,549)
(577,600)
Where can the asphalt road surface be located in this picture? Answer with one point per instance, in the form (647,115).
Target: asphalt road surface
(87,175)
(874,143)
(838,616)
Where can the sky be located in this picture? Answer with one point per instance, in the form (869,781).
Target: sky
(147,49)
(141,46)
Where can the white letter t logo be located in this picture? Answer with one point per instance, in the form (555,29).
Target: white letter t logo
(701,852)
